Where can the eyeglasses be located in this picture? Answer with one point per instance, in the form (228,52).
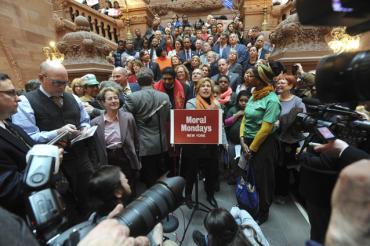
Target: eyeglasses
(11,93)
(56,82)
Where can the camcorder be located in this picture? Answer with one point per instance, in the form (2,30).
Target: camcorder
(46,210)
(326,122)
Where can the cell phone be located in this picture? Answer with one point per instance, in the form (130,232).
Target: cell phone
(325,134)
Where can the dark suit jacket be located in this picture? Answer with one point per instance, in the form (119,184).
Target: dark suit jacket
(14,230)
(129,138)
(235,79)
(182,55)
(141,104)
(156,71)
(12,165)
(236,68)
(350,155)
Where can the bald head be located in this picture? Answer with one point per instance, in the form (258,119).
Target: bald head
(54,66)
(53,77)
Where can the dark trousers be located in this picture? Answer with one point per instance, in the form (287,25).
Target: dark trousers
(263,163)
(319,219)
(153,167)
(78,170)
(117,157)
(191,164)
(286,158)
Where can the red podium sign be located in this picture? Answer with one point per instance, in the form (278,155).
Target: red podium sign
(196,126)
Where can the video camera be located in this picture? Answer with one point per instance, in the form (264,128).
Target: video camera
(329,121)
(45,214)
(344,77)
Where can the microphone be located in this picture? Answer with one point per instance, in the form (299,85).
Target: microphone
(164,103)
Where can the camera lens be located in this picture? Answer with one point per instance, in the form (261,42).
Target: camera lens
(152,206)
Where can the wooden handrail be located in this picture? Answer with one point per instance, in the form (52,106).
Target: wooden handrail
(100,24)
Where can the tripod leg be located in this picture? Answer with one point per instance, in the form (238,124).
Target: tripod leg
(187,226)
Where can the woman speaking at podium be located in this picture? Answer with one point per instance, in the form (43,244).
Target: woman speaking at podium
(201,155)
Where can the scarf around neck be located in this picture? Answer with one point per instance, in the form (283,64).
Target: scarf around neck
(178,92)
(203,104)
(225,97)
(257,95)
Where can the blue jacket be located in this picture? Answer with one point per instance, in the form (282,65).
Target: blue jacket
(225,51)
(182,56)
(242,53)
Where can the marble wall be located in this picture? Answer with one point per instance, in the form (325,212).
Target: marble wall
(25,27)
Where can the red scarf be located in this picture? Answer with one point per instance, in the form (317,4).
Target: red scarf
(178,91)
(169,48)
(225,97)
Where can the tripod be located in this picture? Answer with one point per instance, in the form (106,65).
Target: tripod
(197,206)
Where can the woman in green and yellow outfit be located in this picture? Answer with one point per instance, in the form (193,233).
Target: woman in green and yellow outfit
(257,136)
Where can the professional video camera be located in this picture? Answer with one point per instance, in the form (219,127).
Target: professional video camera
(344,77)
(328,121)
(46,209)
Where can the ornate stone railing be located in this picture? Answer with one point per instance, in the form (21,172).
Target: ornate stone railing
(103,25)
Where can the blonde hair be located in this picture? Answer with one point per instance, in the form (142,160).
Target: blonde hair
(76,82)
(203,81)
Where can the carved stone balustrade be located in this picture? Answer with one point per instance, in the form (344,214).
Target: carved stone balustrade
(67,10)
(85,51)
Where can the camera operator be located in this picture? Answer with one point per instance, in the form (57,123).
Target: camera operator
(109,232)
(109,190)
(108,187)
(306,81)
(318,176)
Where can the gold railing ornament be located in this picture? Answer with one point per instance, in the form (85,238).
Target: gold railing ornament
(264,23)
(343,42)
(52,53)
(127,20)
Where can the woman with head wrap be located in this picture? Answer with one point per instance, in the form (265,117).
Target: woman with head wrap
(257,136)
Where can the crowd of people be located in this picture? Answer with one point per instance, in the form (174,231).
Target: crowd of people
(205,66)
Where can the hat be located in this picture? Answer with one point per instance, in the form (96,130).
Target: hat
(89,80)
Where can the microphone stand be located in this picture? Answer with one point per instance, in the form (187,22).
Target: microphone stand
(198,206)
